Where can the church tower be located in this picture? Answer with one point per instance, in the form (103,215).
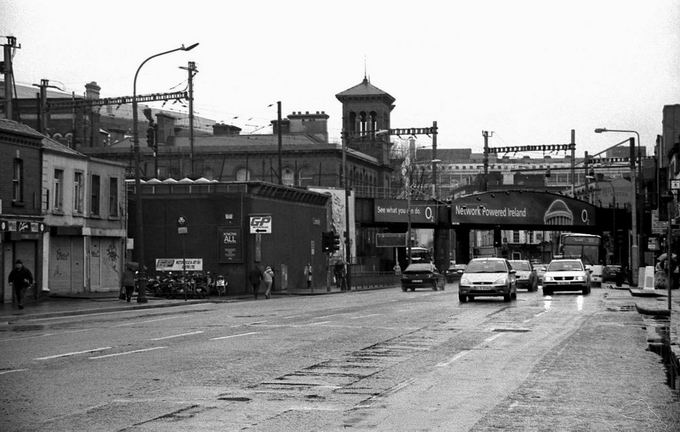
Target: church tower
(365,112)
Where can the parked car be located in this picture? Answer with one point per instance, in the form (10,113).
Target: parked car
(525,275)
(487,277)
(454,272)
(566,275)
(611,272)
(422,275)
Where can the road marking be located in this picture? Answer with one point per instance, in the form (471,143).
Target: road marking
(255,323)
(177,335)
(126,353)
(147,321)
(453,359)
(316,323)
(365,316)
(71,353)
(133,309)
(25,337)
(490,338)
(335,314)
(12,371)
(233,336)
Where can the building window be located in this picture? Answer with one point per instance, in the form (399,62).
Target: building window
(515,236)
(58,190)
(18,181)
(95,195)
(78,192)
(113,196)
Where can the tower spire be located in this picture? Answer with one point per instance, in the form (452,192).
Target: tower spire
(366,80)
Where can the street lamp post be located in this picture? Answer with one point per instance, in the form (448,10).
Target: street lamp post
(634,249)
(139,223)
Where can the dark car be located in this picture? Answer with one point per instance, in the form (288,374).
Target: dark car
(454,271)
(525,274)
(422,275)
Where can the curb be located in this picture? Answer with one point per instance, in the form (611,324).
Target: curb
(9,319)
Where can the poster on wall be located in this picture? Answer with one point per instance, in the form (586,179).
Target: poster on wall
(230,245)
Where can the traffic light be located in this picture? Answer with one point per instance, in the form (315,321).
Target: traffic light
(335,241)
(151,136)
(326,241)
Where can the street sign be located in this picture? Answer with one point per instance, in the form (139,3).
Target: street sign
(390,240)
(675,184)
(182,225)
(261,224)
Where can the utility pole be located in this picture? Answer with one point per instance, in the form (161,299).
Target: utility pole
(191,69)
(42,104)
(8,72)
(635,260)
(280,140)
(585,176)
(485,185)
(345,184)
(435,187)
(572,143)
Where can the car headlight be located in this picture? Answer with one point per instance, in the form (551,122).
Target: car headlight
(500,281)
(465,281)
(580,278)
(547,278)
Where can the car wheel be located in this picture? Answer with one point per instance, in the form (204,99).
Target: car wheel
(513,296)
(403,289)
(471,298)
(434,286)
(586,291)
(547,292)
(507,297)
(462,298)
(413,289)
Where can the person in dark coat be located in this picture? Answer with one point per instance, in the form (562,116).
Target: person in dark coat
(20,278)
(255,277)
(129,280)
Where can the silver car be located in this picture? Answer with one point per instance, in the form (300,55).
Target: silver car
(485,277)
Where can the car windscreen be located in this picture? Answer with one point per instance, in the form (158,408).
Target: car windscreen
(565,266)
(520,265)
(418,268)
(486,266)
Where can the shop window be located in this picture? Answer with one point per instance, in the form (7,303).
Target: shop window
(78,188)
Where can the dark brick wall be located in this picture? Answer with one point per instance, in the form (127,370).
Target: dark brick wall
(30,154)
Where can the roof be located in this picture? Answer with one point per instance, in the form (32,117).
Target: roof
(25,91)
(364,88)
(56,146)
(12,126)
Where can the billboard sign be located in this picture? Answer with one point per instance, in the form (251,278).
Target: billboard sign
(396,210)
(522,208)
(177,264)
(230,245)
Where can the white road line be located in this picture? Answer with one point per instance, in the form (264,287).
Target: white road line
(72,353)
(453,359)
(25,337)
(316,323)
(147,321)
(256,323)
(177,335)
(365,316)
(80,315)
(490,338)
(335,314)
(233,336)
(12,371)
(126,353)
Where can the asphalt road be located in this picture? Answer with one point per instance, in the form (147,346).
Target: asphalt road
(375,360)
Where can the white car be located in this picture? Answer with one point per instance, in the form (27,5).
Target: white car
(566,275)
(487,277)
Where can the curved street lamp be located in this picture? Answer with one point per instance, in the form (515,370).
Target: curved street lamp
(139,223)
(634,249)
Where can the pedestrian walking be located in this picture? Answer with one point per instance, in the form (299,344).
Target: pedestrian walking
(20,278)
(268,277)
(129,280)
(255,278)
(308,275)
(340,274)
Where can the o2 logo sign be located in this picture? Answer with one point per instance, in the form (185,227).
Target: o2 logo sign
(261,224)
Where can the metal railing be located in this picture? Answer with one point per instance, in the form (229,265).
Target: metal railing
(374,280)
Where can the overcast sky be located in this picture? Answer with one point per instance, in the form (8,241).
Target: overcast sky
(529,70)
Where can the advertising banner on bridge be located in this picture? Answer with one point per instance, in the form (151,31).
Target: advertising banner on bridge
(522,208)
(395,210)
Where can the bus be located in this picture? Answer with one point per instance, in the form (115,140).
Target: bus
(587,247)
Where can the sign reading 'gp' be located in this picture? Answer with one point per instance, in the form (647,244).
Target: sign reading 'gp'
(261,224)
